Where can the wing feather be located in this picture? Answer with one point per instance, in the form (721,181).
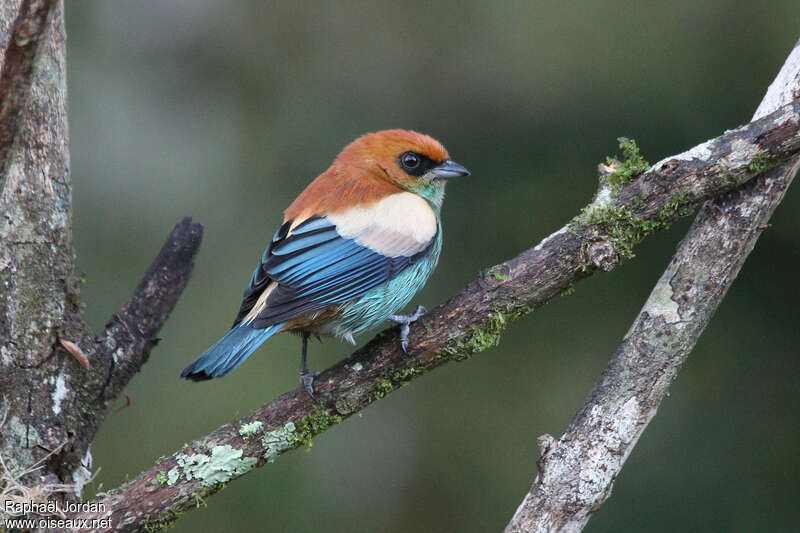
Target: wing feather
(315,268)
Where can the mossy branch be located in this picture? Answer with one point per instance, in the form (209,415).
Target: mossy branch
(470,322)
(577,471)
(617,173)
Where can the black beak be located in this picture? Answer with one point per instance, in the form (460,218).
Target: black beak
(450,169)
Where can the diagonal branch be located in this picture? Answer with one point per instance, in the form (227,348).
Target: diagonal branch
(577,471)
(125,344)
(131,333)
(625,210)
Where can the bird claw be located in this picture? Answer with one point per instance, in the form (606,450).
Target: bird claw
(307,379)
(405,322)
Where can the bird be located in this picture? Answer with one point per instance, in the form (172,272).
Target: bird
(353,249)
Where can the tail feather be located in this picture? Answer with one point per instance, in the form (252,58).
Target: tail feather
(228,352)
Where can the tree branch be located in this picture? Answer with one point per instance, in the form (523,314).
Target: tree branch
(125,344)
(625,210)
(130,334)
(577,471)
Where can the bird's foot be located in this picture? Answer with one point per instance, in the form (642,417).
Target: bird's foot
(307,379)
(405,322)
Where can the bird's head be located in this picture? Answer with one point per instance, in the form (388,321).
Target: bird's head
(412,161)
(377,165)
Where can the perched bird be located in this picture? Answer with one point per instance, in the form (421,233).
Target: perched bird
(353,249)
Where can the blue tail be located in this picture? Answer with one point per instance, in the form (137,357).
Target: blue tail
(229,352)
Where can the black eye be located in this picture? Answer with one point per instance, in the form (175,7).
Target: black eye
(410,161)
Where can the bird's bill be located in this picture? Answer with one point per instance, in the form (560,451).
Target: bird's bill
(449,169)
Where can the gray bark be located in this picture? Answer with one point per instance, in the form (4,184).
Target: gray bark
(56,380)
(577,471)
(38,297)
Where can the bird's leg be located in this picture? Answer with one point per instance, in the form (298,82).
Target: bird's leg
(405,322)
(306,376)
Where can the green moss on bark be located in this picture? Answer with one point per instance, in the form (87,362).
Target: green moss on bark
(484,336)
(624,228)
(163,522)
(314,423)
(760,163)
(629,168)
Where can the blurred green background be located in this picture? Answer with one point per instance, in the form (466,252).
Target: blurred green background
(225,110)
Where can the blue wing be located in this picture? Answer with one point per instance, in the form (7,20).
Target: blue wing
(315,268)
